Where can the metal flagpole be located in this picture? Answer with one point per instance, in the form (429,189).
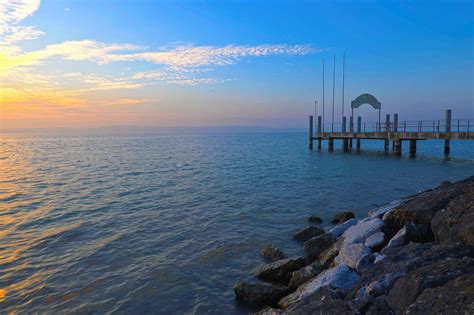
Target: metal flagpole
(333,91)
(323,94)
(343,76)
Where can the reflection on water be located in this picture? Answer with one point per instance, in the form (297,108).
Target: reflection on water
(169,223)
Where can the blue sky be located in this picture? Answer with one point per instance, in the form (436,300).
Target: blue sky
(416,57)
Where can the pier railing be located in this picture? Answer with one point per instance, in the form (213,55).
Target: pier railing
(457,125)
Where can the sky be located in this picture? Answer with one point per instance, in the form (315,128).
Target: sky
(87,64)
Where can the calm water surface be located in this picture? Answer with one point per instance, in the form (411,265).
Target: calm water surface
(167,224)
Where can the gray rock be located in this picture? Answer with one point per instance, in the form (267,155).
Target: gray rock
(343,217)
(355,256)
(304,274)
(308,233)
(327,257)
(379,306)
(409,232)
(454,297)
(339,229)
(422,208)
(407,289)
(339,277)
(379,212)
(378,258)
(269,311)
(384,284)
(324,301)
(375,240)
(315,219)
(272,253)
(259,293)
(280,271)
(455,223)
(360,232)
(315,246)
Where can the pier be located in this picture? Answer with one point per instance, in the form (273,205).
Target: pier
(390,131)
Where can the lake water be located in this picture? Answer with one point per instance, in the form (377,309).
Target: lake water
(167,224)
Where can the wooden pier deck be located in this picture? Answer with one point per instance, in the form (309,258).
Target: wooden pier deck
(395,132)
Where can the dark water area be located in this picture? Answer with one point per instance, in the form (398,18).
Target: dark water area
(167,224)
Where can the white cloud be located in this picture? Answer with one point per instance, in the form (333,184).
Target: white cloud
(11,13)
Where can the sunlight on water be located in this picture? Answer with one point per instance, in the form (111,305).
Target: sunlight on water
(169,223)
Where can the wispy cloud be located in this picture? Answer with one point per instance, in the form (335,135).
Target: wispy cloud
(13,12)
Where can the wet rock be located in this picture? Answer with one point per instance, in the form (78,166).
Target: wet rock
(327,257)
(308,233)
(343,217)
(280,271)
(355,256)
(304,274)
(339,277)
(456,222)
(339,229)
(454,297)
(259,293)
(375,240)
(378,257)
(407,289)
(324,301)
(360,232)
(272,253)
(315,246)
(315,219)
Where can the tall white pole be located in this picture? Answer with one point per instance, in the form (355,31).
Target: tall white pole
(343,76)
(323,94)
(333,91)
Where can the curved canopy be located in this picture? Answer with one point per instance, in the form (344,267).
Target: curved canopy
(366,99)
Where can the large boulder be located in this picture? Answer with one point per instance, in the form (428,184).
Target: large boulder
(315,246)
(422,208)
(408,288)
(343,217)
(355,256)
(380,211)
(375,240)
(339,229)
(455,222)
(280,270)
(326,258)
(361,231)
(323,301)
(304,274)
(272,253)
(339,277)
(308,233)
(454,297)
(409,233)
(259,293)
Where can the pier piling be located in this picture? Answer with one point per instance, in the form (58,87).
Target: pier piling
(387,130)
(319,132)
(397,149)
(447,131)
(311,132)
(412,149)
(331,144)
(359,129)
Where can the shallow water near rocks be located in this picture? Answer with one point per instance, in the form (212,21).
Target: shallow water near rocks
(147,224)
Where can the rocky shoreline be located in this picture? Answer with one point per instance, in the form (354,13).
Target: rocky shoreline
(412,256)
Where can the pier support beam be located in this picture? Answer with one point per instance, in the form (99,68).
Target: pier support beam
(319,132)
(412,147)
(447,130)
(331,144)
(311,132)
(397,149)
(386,143)
(387,130)
(359,129)
(345,144)
(344,141)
